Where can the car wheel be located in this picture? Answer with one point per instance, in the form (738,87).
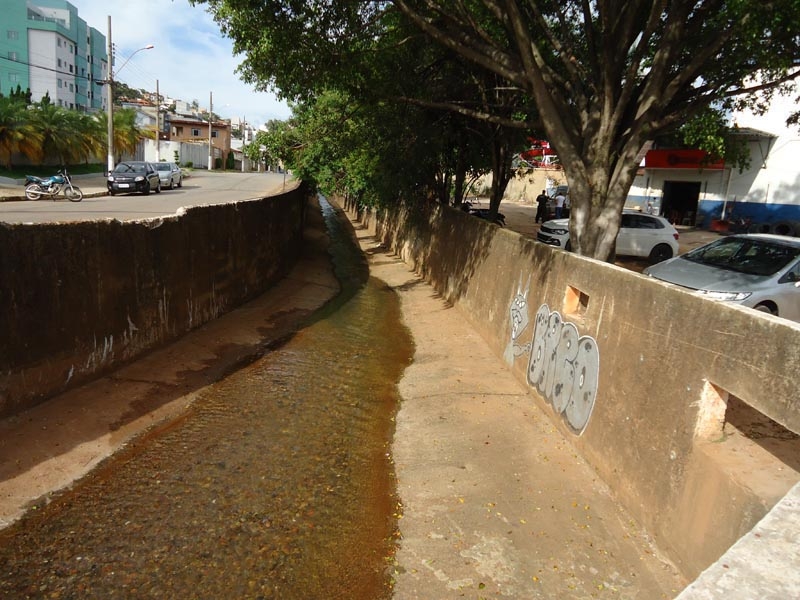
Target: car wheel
(568,246)
(180,182)
(171,184)
(111,192)
(146,189)
(660,253)
(158,188)
(767,307)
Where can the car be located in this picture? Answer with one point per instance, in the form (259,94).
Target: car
(134,176)
(170,174)
(640,234)
(761,271)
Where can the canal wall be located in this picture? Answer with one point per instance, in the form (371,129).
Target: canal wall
(80,299)
(644,378)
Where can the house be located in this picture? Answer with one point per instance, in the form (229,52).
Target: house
(194,130)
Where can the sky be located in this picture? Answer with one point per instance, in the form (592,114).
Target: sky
(190,58)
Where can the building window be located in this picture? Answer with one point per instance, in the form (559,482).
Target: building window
(60,83)
(12,35)
(13,77)
(70,68)
(58,42)
(71,88)
(214,133)
(195,132)
(12,56)
(59,63)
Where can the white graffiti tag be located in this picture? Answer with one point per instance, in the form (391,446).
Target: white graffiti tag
(564,367)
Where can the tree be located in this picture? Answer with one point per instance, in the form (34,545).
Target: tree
(60,130)
(605,76)
(17,133)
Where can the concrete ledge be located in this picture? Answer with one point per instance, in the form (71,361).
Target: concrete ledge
(762,564)
(655,388)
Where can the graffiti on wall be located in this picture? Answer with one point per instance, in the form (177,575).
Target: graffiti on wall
(563,365)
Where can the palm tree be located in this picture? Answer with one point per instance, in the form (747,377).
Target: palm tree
(126,132)
(92,136)
(17,132)
(61,135)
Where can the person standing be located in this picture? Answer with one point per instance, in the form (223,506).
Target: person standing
(560,198)
(541,207)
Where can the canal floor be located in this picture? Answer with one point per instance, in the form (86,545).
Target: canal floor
(493,502)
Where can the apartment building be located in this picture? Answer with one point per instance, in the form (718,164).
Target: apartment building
(47,48)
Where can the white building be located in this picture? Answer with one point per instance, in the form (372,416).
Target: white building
(684,187)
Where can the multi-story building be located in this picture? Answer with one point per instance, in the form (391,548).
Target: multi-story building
(47,48)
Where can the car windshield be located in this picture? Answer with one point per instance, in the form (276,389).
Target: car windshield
(744,255)
(129,168)
(163,167)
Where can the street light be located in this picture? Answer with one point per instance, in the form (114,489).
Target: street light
(110,92)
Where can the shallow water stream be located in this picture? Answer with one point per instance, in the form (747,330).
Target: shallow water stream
(277,484)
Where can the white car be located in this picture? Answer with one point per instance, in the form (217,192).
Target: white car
(640,234)
(761,271)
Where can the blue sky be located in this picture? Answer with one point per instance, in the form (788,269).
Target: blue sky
(190,57)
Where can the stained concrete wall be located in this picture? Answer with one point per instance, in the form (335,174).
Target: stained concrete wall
(78,299)
(652,365)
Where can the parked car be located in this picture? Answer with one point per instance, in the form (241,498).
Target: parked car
(134,176)
(761,271)
(170,174)
(640,234)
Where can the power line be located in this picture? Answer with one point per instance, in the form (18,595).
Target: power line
(67,73)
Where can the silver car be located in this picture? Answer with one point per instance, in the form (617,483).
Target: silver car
(170,174)
(757,270)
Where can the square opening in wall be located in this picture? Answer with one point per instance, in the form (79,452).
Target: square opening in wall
(576,302)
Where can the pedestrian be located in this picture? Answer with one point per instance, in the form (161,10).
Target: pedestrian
(541,206)
(560,198)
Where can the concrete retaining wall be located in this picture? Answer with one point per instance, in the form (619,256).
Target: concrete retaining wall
(637,373)
(79,299)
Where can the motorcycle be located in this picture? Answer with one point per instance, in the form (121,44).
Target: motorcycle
(38,187)
(482,213)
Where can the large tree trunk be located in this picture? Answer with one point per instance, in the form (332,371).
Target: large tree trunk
(501,174)
(597,195)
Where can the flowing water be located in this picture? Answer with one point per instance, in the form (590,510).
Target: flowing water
(277,484)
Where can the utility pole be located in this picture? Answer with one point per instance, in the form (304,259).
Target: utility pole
(244,140)
(110,99)
(158,124)
(210,123)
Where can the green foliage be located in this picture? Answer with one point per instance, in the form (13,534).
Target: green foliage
(17,133)
(710,132)
(594,80)
(230,163)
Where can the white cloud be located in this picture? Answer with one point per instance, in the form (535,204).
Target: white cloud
(190,57)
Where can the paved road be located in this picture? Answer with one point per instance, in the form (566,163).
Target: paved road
(202,188)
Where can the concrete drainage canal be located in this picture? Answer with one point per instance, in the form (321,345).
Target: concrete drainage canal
(277,484)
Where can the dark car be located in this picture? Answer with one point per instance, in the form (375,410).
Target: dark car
(134,176)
